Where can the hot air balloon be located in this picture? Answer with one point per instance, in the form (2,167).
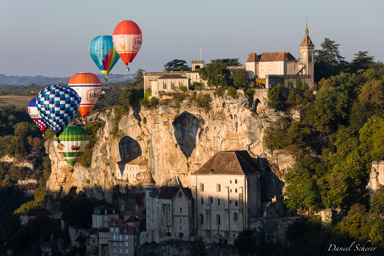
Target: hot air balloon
(127,39)
(57,105)
(35,115)
(71,143)
(88,87)
(103,54)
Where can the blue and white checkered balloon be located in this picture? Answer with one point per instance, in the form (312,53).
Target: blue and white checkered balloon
(57,105)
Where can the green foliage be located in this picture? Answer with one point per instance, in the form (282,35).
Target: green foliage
(196,86)
(179,97)
(38,198)
(276,98)
(302,191)
(92,129)
(183,89)
(377,202)
(176,65)
(250,92)
(215,74)
(203,100)
(144,120)
(240,79)
(152,103)
(227,62)
(148,93)
(232,92)
(220,92)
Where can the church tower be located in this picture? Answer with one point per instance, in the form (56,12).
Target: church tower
(307,50)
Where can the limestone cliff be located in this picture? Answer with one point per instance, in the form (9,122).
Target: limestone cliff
(176,140)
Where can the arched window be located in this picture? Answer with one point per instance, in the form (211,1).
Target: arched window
(218,188)
(235,216)
(218,219)
(201,217)
(310,57)
(235,181)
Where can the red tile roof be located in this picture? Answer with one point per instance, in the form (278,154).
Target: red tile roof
(277,56)
(252,57)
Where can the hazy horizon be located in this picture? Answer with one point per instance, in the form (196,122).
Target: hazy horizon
(51,38)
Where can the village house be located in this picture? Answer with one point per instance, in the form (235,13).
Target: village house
(169,213)
(131,171)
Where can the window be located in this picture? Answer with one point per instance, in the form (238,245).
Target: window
(211,199)
(235,216)
(230,190)
(235,203)
(201,217)
(310,57)
(181,209)
(172,84)
(202,201)
(235,190)
(230,181)
(126,251)
(218,188)
(126,243)
(201,187)
(164,85)
(218,201)
(111,230)
(121,250)
(235,181)
(218,219)
(180,227)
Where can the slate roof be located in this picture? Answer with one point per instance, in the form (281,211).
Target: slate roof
(306,40)
(229,162)
(168,192)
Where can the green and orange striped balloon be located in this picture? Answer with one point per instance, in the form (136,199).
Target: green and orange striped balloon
(71,143)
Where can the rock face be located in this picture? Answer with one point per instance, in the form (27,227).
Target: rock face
(176,140)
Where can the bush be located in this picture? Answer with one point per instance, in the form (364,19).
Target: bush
(220,92)
(276,98)
(250,92)
(144,120)
(148,93)
(154,102)
(179,97)
(232,92)
(183,88)
(204,101)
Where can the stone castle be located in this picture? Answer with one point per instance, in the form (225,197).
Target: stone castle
(272,67)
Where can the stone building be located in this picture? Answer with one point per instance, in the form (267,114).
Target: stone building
(170,81)
(102,216)
(131,171)
(123,239)
(169,213)
(376,177)
(226,190)
(274,66)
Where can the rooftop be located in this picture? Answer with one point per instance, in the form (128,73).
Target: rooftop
(172,77)
(230,163)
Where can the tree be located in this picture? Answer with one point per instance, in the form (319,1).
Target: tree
(361,61)
(215,73)
(328,60)
(276,98)
(139,80)
(377,202)
(176,65)
(240,79)
(228,62)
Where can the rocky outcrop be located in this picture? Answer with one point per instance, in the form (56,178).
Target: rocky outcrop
(176,140)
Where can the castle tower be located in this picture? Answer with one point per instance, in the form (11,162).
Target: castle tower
(307,50)
(197,64)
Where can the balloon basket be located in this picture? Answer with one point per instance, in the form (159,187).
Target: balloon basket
(127,69)
(105,79)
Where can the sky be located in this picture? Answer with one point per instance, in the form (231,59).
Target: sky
(51,37)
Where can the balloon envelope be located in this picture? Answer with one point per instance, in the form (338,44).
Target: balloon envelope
(35,115)
(73,142)
(103,53)
(57,105)
(88,87)
(127,38)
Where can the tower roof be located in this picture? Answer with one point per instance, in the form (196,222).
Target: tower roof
(306,40)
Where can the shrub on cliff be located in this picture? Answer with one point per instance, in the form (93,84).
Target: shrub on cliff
(203,100)
(232,92)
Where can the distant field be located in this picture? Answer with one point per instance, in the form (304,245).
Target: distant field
(19,101)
